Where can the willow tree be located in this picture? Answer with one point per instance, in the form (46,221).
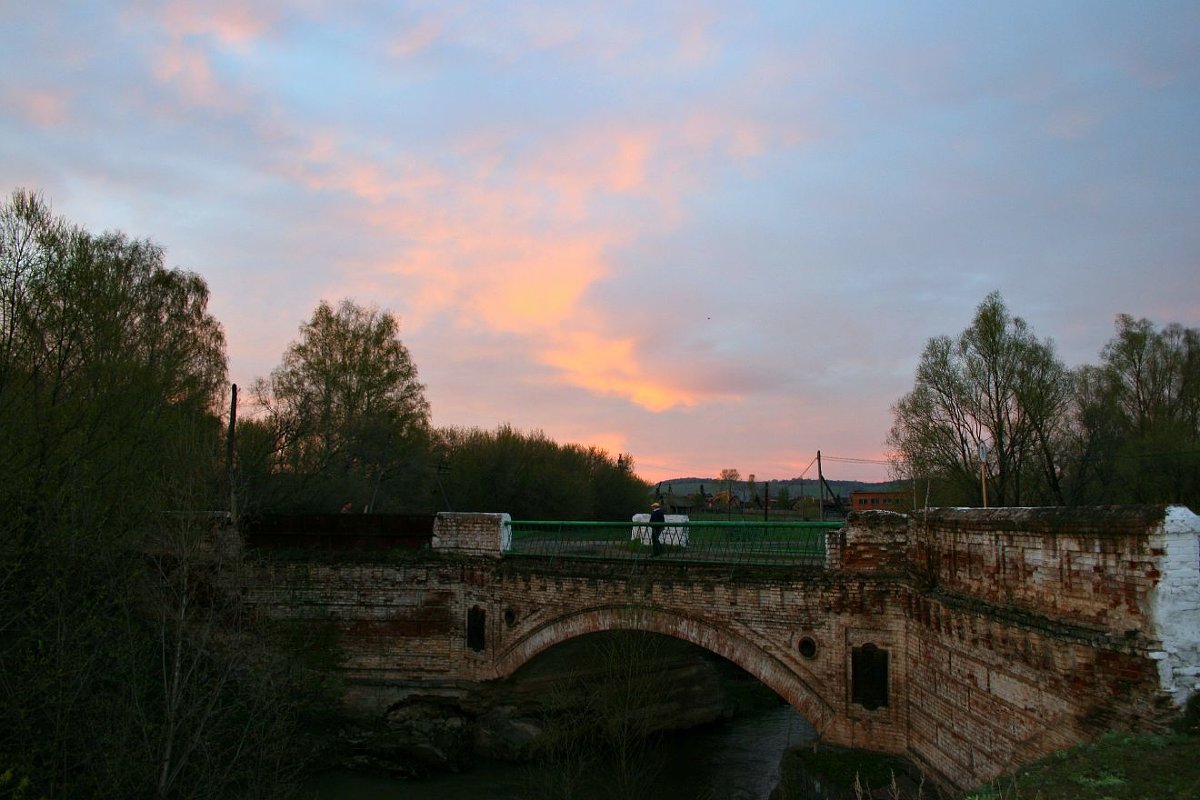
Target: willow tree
(995,391)
(348,410)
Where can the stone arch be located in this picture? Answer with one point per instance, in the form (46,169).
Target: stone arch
(769,670)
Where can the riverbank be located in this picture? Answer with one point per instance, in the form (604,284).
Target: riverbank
(734,759)
(1116,766)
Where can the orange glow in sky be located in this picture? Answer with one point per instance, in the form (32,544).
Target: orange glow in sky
(713,236)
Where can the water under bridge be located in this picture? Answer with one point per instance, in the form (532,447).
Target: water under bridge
(971,641)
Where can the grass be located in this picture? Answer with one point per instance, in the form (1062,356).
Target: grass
(1115,767)
(852,767)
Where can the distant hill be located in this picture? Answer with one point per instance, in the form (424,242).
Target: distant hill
(795,486)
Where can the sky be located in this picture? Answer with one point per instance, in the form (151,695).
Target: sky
(711,235)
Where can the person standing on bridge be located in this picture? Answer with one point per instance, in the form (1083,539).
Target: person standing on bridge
(657,518)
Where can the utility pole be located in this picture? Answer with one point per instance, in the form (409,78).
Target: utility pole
(820,490)
(229,451)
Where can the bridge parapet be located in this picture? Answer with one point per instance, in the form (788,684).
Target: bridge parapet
(486,535)
(1102,567)
(1031,629)
(871,541)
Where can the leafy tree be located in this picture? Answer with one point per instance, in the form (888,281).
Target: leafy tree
(728,477)
(1136,419)
(532,477)
(996,386)
(102,351)
(111,370)
(349,416)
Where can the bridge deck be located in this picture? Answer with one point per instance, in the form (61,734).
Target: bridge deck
(719,542)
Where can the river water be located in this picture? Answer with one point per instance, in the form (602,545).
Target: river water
(733,760)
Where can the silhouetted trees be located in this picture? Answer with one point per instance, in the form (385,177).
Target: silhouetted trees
(1127,430)
(532,477)
(346,420)
(125,670)
(997,387)
(1136,418)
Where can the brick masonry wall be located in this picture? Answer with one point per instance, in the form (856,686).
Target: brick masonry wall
(1092,566)
(486,535)
(756,620)
(1009,632)
(1033,629)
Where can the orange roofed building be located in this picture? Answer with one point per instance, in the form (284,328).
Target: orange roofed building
(880,501)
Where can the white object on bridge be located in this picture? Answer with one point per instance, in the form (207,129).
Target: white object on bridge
(675,535)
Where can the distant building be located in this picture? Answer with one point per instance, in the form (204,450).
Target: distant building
(880,501)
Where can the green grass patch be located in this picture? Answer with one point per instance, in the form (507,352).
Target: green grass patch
(1115,767)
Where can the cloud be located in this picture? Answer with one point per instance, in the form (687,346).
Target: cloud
(44,108)
(187,68)
(230,22)
(715,236)
(515,251)
(608,366)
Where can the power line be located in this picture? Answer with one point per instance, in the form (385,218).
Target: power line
(846,460)
(806,469)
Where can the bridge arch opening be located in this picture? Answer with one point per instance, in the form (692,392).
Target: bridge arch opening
(769,670)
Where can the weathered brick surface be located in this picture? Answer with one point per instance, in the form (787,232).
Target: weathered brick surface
(1095,565)
(1052,623)
(1010,632)
(484,535)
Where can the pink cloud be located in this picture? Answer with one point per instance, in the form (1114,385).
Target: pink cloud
(418,38)
(696,44)
(187,68)
(231,23)
(513,249)
(585,166)
(606,365)
(44,108)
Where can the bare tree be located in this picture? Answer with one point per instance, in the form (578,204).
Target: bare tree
(995,390)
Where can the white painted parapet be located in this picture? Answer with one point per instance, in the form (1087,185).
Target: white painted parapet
(1175,603)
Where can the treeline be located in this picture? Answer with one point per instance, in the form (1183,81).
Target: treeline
(127,668)
(343,424)
(994,409)
(128,665)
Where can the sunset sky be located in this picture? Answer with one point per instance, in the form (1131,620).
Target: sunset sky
(708,234)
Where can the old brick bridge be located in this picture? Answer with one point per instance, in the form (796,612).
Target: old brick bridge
(970,640)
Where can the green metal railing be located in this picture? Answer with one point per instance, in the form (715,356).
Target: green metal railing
(717,542)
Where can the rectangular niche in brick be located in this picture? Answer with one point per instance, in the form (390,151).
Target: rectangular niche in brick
(476,627)
(869,676)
